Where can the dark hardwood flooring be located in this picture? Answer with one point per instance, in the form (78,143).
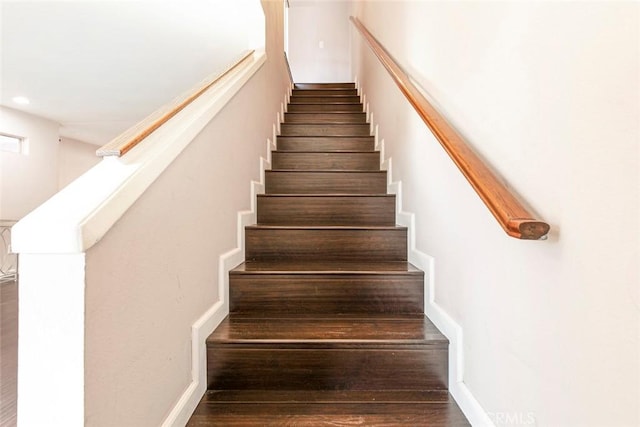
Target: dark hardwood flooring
(8,352)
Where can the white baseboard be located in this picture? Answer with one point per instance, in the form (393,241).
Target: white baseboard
(469,405)
(206,324)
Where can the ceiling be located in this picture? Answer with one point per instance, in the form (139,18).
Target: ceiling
(98,67)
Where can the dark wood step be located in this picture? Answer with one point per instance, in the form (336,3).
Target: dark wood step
(329,333)
(335,107)
(324,85)
(293,209)
(315,129)
(328,396)
(340,99)
(327,354)
(290,209)
(315,160)
(321,267)
(325,182)
(325,143)
(325,92)
(265,242)
(326,414)
(333,294)
(332,117)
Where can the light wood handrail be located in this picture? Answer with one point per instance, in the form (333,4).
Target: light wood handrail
(514,218)
(286,61)
(132,136)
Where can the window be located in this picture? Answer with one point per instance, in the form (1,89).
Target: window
(12,144)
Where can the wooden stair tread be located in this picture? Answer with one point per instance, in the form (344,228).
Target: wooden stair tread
(326,209)
(328,333)
(325,99)
(324,227)
(244,407)
(324,90)
(327,171)
(347,151)
(337,100)
(329,124)
(325,117)
(315,138)
(434,414)
(327,290)
(335,144)
(331,171)
(287,181)
(325,267)
(327,195)
(327,396)
(324,138)
(328,97)
(326,113)
(329,93)
(325,108)
(303,85)
(325,129)
(330,242)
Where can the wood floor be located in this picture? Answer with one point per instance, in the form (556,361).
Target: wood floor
(8,352)
(326,324)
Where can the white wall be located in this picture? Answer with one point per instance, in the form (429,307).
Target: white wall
(50,163)
(156,271)
(310,23)
(99,84)
(27,179)
(547,92)
(74,158)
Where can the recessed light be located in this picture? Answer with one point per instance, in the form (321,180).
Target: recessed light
(22,100)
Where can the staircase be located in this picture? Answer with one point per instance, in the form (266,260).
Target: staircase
(326,324)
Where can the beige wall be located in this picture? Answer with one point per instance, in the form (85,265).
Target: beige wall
(109,64)
(547,92)
(156,271)
(50,163)
(27,180)
(74,158)
(312,22)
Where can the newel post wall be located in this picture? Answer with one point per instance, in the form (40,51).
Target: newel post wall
(52,310)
